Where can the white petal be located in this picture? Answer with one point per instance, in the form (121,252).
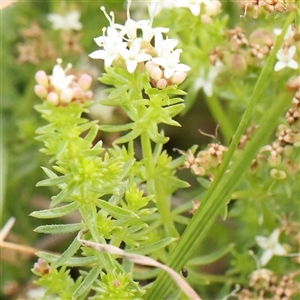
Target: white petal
(131,65)
(182,67)
(279,66)
(108,61)
(279,250)
(262,241)
(273,238)
(98,54)
(143,57)
(267,255)
(293,64)
(168,72)
(208,89)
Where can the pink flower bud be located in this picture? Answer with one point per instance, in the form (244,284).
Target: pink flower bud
(77,92)
(156,73)
(162,83)
(89,95)
(212,8)
(178,77)
(85,81)
(52,97)
(42,78)
(150,65)
(41,267)
(66,95)
(205,19)
(40,91)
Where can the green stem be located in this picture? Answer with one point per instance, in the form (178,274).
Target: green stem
(154,187)
(220,117)
(221,188)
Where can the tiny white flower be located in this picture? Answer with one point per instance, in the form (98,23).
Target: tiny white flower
(171,63)
(133,56)
(285,59)
(58,78)
(164,46)
(289,33)
(67,22)
(206,82)
(112,44)
(270,246)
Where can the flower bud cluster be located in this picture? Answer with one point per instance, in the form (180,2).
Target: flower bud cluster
(242,52)
(282,149)
(61,89)
(264,284)
(206,161)
(269,6)
(41,267)
(138,46)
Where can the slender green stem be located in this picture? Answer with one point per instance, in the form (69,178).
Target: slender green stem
(218,114)
(222,187)
(155,187)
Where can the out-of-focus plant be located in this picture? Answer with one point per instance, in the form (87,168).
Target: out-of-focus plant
(240,212)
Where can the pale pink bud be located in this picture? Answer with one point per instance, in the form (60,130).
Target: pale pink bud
(77,92)
(41,267)
(52,97)
(89,95)
(205,19)
(40,91)
(162,83)
(66,95)
(150,65)
(213,8)
(156,73)
(42,78)
(85,81)
(178,77)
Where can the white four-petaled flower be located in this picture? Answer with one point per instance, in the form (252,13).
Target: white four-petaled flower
(132,56)
(286,59)
(59,79)
(270,246)
(68,21)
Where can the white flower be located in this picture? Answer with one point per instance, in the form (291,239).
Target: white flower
(207,82)
(285,59)
(171,64)
(67,22)
(133,56)
(58,78)
(112,44)
(271,246)
(289,33)
(164,46)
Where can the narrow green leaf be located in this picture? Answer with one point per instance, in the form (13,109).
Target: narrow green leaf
(88,281)
(86,126)
(150,248)
(59,228)
(91,134)
(174,110)
(55,212)
(116,211)
(72,249)
(207,259)
(116,128)
(51,181)
(128,137)
(71,262)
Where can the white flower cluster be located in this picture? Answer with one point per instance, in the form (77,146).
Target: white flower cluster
(122,46)
(61,89)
